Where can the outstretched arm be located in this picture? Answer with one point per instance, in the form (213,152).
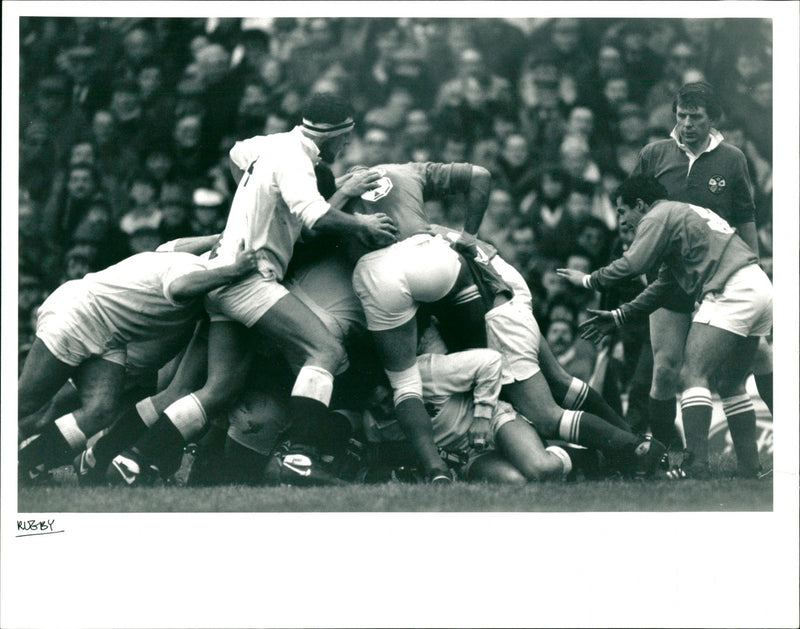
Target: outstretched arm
(196,283)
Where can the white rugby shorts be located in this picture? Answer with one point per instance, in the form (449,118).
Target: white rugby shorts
(70,329)
(512,330)
(246,301)
(744,307)
(391,282)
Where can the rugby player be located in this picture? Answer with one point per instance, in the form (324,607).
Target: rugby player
(700,253)
(83,330)
(695,165)
(276,198)
(392,283)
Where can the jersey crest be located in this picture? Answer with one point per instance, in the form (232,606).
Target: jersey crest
(384,186)
(717,184)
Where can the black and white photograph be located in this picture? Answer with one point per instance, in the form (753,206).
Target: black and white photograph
(349,314)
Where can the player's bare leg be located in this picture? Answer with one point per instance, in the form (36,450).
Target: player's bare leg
(397,350)
(707,349)
(740,413)
(519,442)
(573,393)
(668,330)
(532,399)
(99,383)
(762,371)
(42,376)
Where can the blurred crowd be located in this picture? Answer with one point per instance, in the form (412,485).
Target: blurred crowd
(126,124)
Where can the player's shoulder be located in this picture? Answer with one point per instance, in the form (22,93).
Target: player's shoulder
(659,147)
(729,150)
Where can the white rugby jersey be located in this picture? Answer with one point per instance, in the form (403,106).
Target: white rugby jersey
(276,197)
(132,299)
(458,389)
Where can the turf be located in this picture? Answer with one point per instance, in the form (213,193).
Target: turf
(716,495)
(719,494)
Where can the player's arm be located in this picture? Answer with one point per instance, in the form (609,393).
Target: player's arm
(196,283)
(476,370)
(236,172)
(604,322)
(645,252)
(352,185)
(475,182)
(298,185)
(748,233)
(196,245)
(743,212)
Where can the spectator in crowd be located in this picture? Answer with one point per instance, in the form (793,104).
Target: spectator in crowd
(143,209)
(575,355)
(209,209)
(175,212)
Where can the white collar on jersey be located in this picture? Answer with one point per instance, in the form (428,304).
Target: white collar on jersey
(715,140)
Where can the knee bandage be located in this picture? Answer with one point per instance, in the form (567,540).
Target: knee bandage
(315,383)
(406,384)
(562,455)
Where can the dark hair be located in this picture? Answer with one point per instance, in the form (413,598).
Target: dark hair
(326,181)
(327,108)
(699,94)
(644,187)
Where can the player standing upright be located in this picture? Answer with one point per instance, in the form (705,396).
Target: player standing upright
(700,253)
(697,166)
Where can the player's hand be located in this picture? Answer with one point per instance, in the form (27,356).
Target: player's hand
(246,261)
(572,276)
(378,230)
(597,327)
(480,434)
(358,182)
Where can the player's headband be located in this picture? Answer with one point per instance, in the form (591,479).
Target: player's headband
(324,130)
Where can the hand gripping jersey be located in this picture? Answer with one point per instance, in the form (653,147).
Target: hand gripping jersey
(404,188)
(277,196)
(697,250)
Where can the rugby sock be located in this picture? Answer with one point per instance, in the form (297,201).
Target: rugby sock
(764,385)
(308,405)
(662,422)
(581,397)
(590,431)
(125,431)
(180,421)
(741,416)
(307,416)
(51,449)
(696,413)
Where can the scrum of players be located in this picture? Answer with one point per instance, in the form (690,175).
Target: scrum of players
(331,334)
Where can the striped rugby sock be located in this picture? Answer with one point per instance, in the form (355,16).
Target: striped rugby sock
(741,416)
(580,396)
(696,412)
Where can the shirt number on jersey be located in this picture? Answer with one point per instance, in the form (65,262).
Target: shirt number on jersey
(715,221)
(249,172)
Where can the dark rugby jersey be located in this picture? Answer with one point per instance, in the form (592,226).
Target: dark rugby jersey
(718,179)
(695,248)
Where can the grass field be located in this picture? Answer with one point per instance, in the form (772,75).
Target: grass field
(720,494)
